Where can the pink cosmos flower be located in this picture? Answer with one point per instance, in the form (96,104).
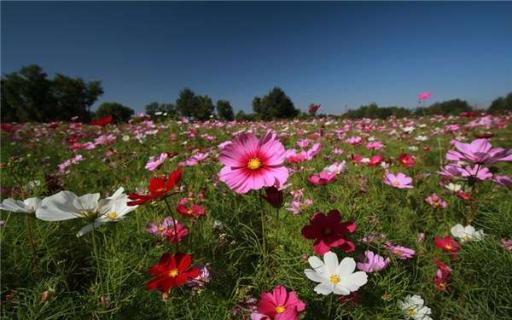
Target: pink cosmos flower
(156,161)
(477,172)
(375,160)
(298,202)
(507,244)
(374,145)
(323,178)
(402,253)
(278,305)
(354,140)
(195,159)
(372,262)
(424,96)
(399,181)
(436,201)
(252,164)
(166,230)
(480,151)
(505,181)
(303,143)
(294,157)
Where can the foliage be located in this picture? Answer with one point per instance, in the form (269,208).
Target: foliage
(275,105)
(155,107)
(373,111)
(189,104)
(224,110)
(119,112)
(29,95)
(501,104)
(449,107)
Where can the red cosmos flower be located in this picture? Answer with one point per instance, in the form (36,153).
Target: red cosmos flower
(158,188)
(274,197)
(375,160)
(101,121)
(448,244)
(464,195)
(194,210)
(407,160)
(442,276)
(356,158)
(329,232)
(172,271)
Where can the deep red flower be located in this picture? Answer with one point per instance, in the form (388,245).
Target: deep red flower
(407,160)
(187,210)
(375,160)
(158,188)
(442,276)
(356,158)
(274,197)
(329,232)
(464,195)
(172,271)
(447,244)
(102,121)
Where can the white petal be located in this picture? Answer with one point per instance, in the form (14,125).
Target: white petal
(324,288)
(354,281)
(316,263)
(314,276)
(457,231)
(346,267)
(13,205)
(339,289)
(88,201)
(88,228)
(331,262)
(32,204)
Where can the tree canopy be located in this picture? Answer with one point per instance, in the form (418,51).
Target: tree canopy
(224,110)
(119,112)
(275,105)
(501,104)
(189,104)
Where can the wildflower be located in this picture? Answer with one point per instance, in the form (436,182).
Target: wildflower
(414,308)
(354,140)
(251,164)
(329,232)
(407,160)
(278,304)
(102,121)
(466,233)
(447,244)
(298,203)
(29,205)
(372,262)
(334,277)
(202,278)
(436,201)
(402,253)
(453,187)
(158,188)
(480,151)
(399,181)
(374,145)
(274,197)
(375,160)
(66,205)
(442,276)
(323,178)
(507,244)
(187,210)
(169,229)
(424,96)
(156,161)
(172,271)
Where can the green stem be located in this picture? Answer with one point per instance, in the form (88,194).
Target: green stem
(31,240)
(96,257)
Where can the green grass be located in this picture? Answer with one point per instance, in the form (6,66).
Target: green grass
(66,268)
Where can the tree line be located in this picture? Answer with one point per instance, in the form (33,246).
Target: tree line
(30,95)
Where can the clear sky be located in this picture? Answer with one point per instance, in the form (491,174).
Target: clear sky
(340,55)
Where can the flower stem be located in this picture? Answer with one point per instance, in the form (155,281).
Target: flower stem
(96,257)
(262,218)
(174,225)
(31,240)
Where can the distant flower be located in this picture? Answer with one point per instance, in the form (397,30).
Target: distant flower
(414,308)
(298,202)
(447,244)
(407,160)
(274,197)
(334,277)
(102,121)
(159,187)
(323,178)
(507,244)
(195,159)
(372,262)
(252,164)
(329,231)
(399,181)
(29,205)
(375,160)
(354,140)
(436,201)
(453,187)
(374,145)
(190,210)
(466,233)
(173,271)
(442,276)
(279,305)
(421,138)
(156,161)
(402,253)
(167,230)
(424,96)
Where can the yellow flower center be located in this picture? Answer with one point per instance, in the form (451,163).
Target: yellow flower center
(112,215)
(411,312)
(280,309)
(254,164)
(334,279)
(173,273)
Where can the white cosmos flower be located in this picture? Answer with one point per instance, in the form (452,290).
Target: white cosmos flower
(466,233)
(29,205)
(66,205)
(334,277)
(111,209)
(453,187)
(414,308)
(421,138)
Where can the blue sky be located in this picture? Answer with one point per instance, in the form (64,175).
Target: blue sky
(340,55)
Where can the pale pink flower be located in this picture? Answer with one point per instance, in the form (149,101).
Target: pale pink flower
(402,253)
(424,96)
(436,201)
(399,181)
(156,161)
(372,262)
(480,151)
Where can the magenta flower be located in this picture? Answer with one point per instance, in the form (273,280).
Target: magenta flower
(480,151)
(374,145)
(436,201)
(156,161)
(372,262)
(402,253)
(399,181)
(166,230)
(278,305)
(252,164)
(354,140)
(323,178)
(477,172)
(424,96)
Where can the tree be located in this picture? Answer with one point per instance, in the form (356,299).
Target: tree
(275,105)
(155,107)
(449,107)
(29,95)
(224,110)
(119,112)
(501,104)
(190,105)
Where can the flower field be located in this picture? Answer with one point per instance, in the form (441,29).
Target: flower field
(322,218)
